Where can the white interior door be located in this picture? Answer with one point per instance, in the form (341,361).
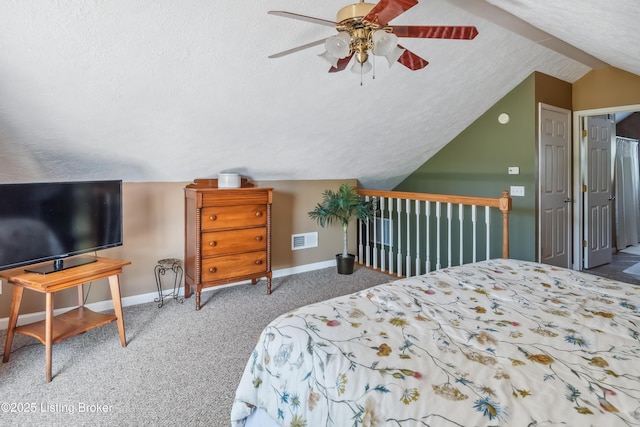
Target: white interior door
(554,218)
(597,190)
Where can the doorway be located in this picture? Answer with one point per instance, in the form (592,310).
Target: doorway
(580,227)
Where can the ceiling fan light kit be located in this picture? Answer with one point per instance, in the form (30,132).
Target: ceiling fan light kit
(330,58)
(338,46)
(363,29)
(361,68)
(383,43)
(394,55)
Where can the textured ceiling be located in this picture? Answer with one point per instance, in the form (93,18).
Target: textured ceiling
(171,90)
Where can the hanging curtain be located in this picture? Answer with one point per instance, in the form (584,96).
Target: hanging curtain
(627,192)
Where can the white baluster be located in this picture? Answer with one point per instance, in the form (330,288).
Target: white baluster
(407,267)
(428,230)
(418,270)
(375,244)
(390,205)
(474,222)
(368,233)
(487,220)
(461,222)
(438,236)
(382,249)
(449,217)
(360,246)
(399,248)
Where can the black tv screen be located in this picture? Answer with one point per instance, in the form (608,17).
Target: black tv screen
(55,220)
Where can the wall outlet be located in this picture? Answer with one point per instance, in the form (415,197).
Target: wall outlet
(517,190)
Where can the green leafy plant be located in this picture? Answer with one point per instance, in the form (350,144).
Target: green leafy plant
(342,206)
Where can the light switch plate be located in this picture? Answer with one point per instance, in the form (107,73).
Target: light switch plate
(514,170)
(517,190)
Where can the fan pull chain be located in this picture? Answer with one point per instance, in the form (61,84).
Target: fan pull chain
(373,71)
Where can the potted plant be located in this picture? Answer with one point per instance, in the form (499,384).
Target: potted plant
(342,206)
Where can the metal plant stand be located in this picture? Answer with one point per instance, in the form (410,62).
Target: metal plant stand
(163,267)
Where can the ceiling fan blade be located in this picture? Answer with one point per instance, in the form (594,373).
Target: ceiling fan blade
(411,60)
(297,49)
(342,64)
(386,10)
(436,32)
(302,18)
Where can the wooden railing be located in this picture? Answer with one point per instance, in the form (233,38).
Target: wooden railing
(414,233)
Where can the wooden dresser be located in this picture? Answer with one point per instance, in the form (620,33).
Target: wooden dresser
(227,235)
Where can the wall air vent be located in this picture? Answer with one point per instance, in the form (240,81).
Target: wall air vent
(304,241)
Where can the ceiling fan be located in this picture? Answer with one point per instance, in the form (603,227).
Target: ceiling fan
(364,28)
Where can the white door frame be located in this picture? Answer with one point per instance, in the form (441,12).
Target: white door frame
(578,236)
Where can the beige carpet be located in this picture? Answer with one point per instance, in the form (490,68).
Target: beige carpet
(180,367)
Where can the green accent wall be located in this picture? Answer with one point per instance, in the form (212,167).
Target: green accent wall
(476,163)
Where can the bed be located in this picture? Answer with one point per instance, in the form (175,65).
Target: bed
(497,342)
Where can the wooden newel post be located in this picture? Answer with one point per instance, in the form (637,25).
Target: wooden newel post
(505,207)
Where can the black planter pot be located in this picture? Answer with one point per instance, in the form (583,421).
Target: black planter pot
(345,264)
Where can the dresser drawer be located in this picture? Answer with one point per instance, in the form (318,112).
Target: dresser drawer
(230,266)
(234,241)
(220,217)
(235,197)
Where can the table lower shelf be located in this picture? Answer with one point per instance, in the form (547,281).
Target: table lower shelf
(67,325)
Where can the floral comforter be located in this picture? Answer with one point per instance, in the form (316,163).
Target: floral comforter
(501,342)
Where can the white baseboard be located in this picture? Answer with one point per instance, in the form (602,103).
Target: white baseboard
(106,305)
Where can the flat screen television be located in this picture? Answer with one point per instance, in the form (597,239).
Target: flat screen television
(52,221)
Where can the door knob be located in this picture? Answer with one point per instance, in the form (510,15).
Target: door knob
(567,200)
(612,197)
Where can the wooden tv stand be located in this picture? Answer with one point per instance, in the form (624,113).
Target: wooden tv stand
(54,329)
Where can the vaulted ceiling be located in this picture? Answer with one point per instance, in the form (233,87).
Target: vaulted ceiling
(171,90)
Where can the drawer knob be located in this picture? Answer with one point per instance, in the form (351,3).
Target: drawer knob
(212,269)
(213,217)
(258,238)
(259,214)
(213,243)
(258,261)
